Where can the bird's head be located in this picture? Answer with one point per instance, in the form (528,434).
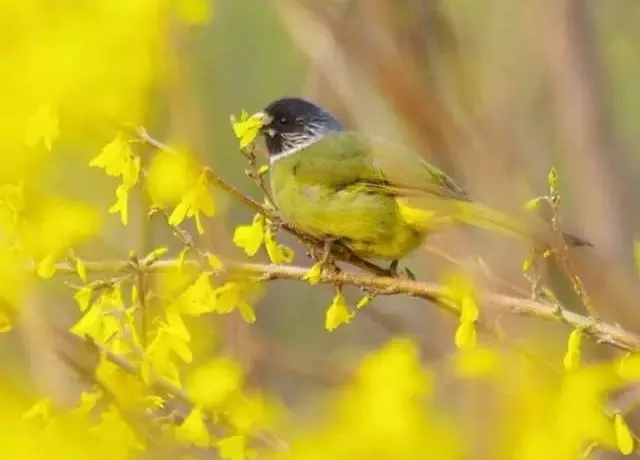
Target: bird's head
(291,124)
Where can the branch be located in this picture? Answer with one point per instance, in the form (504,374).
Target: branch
(602,332)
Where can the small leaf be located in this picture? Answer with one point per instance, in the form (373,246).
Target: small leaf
(338,312)
(553,181)
(314,274)
(533,203)
(624,438)
(366,300)
(156,254)
(262,170)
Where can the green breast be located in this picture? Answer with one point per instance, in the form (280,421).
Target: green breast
(369,222)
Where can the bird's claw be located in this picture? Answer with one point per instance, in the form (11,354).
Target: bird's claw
(326,259)
(394,273)
(323,255)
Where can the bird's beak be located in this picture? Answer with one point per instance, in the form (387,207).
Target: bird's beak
(265,120)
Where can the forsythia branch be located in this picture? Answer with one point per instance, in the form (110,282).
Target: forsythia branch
(605,333)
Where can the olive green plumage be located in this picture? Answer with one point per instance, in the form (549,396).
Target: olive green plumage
(376,197)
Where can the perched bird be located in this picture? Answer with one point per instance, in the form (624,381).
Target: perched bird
(377,198)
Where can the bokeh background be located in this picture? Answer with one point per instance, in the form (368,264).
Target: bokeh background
(495,92)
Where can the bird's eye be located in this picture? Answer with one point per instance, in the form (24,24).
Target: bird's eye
(284,121)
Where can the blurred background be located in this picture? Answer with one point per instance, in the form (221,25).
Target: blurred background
(493,92)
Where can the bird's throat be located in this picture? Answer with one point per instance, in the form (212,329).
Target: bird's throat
(291,150)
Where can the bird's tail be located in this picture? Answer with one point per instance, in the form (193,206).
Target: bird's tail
(481,216)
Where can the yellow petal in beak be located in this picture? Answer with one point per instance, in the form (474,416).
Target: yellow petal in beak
(248,127)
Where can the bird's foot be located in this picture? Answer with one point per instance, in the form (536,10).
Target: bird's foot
(393,268)
(394,273)
(324,257)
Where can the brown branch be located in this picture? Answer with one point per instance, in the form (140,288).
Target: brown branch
(609,334)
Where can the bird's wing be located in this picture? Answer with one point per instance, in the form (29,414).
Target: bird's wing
(346,158)
(404,172)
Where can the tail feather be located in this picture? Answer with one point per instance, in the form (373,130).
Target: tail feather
(481,216)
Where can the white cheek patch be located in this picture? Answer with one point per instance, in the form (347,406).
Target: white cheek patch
(292,150)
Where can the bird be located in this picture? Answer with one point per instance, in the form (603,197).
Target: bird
(377,198)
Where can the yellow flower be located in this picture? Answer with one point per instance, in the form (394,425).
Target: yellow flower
(197,200)
(338,312)
(246,129)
